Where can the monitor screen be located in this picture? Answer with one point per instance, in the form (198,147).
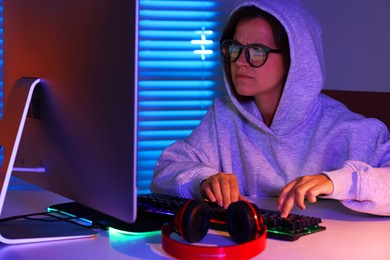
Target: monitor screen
(79,136)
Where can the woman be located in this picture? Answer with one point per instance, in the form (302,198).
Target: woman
(275,134)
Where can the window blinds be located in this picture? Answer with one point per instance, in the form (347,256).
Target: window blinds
(180,73)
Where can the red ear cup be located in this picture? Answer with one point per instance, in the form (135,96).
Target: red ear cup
(243,221)
(192,220)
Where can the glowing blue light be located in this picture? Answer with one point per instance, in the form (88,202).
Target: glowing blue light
(170,123)
(203,42)
(169,113)
(190,25)
(178,4)
(178,84)
(182,55)
(177,45)
(203,52)
(177,14)
(177,94)
(149,154)
(181,104)
(174,34)
(155,144)
(179,64)
(164,134)
(177,74)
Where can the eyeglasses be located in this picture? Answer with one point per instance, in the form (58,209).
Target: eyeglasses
(256,54)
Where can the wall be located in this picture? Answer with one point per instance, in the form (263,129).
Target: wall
(356,39)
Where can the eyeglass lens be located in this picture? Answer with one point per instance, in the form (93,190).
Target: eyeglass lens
(256,55)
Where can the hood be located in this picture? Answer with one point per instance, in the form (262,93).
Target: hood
(306,74)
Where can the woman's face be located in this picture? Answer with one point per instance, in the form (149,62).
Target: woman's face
(264,83)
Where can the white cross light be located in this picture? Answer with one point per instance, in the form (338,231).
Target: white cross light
(202,43)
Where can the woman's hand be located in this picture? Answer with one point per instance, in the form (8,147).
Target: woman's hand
(221,188)
(308,187)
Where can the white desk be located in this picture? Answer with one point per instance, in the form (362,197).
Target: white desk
(349,235)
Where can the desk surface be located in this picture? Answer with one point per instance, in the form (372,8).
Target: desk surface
(349,235)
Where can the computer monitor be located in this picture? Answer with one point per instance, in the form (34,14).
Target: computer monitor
(78,135)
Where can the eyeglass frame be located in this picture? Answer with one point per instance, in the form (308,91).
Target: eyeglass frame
(267,50)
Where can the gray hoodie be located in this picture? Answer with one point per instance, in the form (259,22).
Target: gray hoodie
(310,134)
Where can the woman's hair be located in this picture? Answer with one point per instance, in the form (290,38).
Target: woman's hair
(279,33)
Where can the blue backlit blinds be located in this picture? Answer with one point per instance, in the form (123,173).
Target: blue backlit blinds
(180,73)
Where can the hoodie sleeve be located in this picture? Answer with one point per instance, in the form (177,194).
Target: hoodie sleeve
(361,187)
(183,165)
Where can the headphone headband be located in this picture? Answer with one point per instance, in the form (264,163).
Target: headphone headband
(244,250)
(180,250)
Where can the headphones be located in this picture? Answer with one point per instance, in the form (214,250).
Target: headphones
(244,224)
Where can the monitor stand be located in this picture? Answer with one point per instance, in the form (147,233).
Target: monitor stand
(11,128)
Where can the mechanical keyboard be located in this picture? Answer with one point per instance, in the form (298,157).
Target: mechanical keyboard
(290,228)
(156,209)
